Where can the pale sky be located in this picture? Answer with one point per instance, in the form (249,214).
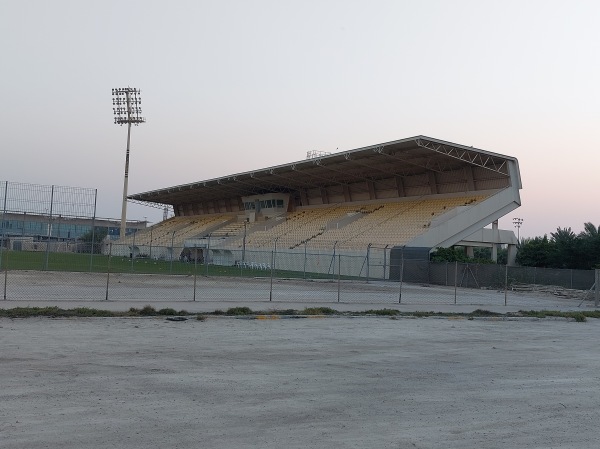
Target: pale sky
(231,86)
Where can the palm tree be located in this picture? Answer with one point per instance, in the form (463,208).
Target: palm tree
(590,240)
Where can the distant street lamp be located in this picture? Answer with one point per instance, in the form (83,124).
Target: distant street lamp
(126,109)
(517,222)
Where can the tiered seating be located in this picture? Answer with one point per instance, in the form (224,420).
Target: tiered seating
(230,229)
(379,224)
(398,223)
(296,229)
(175,230)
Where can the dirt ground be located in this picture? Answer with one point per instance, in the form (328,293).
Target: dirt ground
(299,383)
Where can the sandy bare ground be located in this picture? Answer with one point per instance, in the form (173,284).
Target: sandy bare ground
(299,383)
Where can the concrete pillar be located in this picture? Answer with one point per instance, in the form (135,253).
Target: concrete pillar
(512,255)
(495,239)
(469,251)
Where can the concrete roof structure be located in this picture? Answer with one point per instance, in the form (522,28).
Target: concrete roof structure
(408,167)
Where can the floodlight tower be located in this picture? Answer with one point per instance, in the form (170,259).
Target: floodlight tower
(127,110)
(517,222)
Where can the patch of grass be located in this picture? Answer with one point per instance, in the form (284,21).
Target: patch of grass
(168,311)
(283,312)
(147,311)
(201,317)
(580,317)
(218,312)
(86,311)
(383,312)
(423,314)
(318,311)
(239,311)
(483,313)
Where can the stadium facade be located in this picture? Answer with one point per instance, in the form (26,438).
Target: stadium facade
(413,195)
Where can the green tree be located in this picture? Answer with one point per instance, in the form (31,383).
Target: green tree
(565,253)
(535,252)
(457,254)
(92,240)
(590,246)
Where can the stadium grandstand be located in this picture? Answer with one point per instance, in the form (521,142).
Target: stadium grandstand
(411,195)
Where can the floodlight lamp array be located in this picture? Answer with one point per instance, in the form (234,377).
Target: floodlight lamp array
(126,108)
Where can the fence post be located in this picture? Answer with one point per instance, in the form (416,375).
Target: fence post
(385,262)
(272,268)
(108,270)
(455,280)
(597,296)
(6,281)
(93,231)
(339,275)
(506,284)
(401,278)
(172,253)
(195,270)
(571,278)
(207,255)
(2,237)
(49,227)
(5,276)
(368,260)
(304,276)
(133,249)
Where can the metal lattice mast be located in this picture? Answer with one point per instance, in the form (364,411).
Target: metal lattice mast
(127,110)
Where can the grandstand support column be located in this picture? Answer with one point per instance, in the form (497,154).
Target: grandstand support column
(469,252)
(511,255)
(496,238)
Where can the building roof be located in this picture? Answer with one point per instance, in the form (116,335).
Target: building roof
(398,159)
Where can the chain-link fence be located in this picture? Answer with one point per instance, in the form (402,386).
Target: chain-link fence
(116,272)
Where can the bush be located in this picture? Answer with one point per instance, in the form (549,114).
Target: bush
(319,311)
(167,311)
(147,311)
(239,311)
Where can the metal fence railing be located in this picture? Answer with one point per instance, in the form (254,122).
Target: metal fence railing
(115,272)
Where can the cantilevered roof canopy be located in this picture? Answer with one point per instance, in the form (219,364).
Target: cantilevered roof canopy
(401,158)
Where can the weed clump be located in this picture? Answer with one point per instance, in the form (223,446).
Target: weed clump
(239,311)
(319,311)
(383,312)
(483,313)
(167,311)
(147,311)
